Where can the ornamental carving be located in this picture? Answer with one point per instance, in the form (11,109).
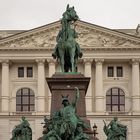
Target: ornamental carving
(88,37)
(41,39)
(94,38)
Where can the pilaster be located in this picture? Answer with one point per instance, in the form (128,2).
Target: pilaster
(88,73)
(5,86)
(51,63)
(41,86)
(99,96)
(135,86)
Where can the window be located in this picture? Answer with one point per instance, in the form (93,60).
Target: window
(20,71)
(113,71)
(29,71)
(119,72)
(25,100)
(110,71)
(115,100)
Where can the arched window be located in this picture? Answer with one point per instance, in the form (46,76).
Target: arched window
(115,100)
(25,100)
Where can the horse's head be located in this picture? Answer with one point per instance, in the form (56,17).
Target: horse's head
(70,14)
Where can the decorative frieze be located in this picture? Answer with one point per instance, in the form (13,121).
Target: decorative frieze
(89,36)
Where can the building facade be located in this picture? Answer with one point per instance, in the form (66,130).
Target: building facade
(110,57)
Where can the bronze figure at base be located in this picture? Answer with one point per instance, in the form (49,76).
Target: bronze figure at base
(65,124)
(115,130)
(22,131)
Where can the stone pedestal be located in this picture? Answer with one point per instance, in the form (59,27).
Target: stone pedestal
(64,84)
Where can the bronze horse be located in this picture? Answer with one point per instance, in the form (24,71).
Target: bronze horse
(67,49)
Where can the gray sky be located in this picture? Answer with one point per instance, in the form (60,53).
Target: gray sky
(28,14)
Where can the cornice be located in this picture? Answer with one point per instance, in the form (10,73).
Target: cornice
(50,49)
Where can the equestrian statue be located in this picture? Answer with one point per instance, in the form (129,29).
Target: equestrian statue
(67,50)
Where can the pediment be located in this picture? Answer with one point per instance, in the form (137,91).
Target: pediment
(89,36)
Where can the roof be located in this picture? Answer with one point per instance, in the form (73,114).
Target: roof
(6,33)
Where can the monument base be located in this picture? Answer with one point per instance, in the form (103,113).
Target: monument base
(63,84)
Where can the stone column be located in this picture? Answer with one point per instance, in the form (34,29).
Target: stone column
(51,63)
(5,86)
(41,86)
(99,95)
(88,73)
(135,86)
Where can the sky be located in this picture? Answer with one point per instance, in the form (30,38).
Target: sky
(29,14)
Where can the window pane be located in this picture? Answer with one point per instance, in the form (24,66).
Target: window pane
(25,91)
(108,108)
(114,91)
(31,100)
(18,100)
(108,99)
(114,108)
(29,72)
(18,108)
(20,71)
(122,100)
(25,100)
(110,71)
(119,72)
(25,108)
(114,99)
(121,92)
(122,108)
(32,108)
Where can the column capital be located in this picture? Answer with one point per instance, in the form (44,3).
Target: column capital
(40,61)
(51,60)
(88,60)
(5,61)
(99,61)
(135,61)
